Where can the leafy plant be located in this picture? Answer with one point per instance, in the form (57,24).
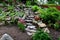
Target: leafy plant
(51,1)
(28,3)
(56,26)
(9,1)
(10,7)
(19,14)
(35,8)
(59,38)
(18,0)
(40,35)
(31,2)
(49,15)
(21,26)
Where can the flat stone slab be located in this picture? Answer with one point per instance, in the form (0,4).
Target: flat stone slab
(31,16)
(29,30)
(31,27)
(28,21)
(30,24)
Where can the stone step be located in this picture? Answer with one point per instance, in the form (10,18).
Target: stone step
(29,30)
(28,21)
(31,16)
(31,27)
(29,33)
(30,24)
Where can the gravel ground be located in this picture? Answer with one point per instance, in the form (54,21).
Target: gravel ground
(14,32)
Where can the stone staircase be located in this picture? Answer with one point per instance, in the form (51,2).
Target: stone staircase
(29,19)
(30,28)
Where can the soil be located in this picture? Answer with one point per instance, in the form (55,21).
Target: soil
(55,34)
(14,32)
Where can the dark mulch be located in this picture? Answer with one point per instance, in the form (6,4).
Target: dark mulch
(54,33)
(14,32)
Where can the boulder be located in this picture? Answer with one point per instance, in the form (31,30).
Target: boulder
(6,37)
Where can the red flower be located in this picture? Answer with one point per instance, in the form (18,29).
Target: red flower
(58,7)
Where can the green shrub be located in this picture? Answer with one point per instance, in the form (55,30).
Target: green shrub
(40,35)
(31,2)
(35,8)
(10,1)
(21,26)
(28,3)
(56,26)
(49,15)
(10,7)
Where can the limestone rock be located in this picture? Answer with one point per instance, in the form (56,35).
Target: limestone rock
(29,30)
(42,25)
(29,33)
(31,16)
(31,27)
(28,21)
(6,37)
(34,21)
(29,24)
(24,16)
(36,13)
(2,23)
(8,18)
(46,30)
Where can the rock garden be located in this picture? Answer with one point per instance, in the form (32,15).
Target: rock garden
(29,20)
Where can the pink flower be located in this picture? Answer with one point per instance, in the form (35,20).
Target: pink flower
(22,21)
